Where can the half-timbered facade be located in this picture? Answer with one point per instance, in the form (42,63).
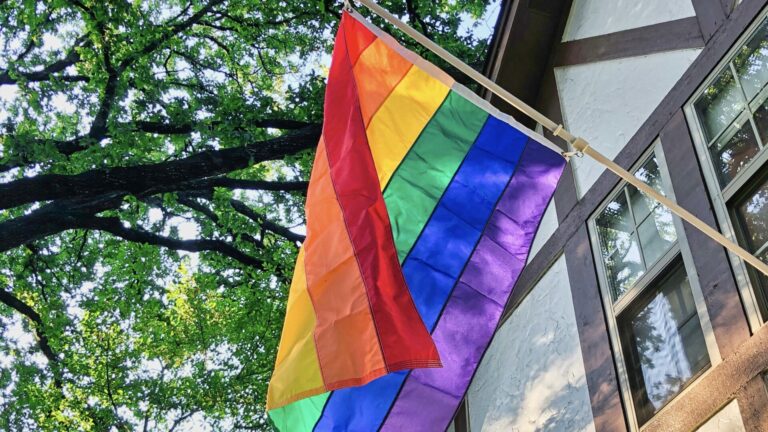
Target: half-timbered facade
(626,318)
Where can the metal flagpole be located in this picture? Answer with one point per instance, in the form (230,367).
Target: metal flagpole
(580,145)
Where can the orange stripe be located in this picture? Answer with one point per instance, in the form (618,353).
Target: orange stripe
(359,38)
(297,372)
(377,72)
(345,336)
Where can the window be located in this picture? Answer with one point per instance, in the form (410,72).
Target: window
(653,310)
(729,117)
(733,110)
(664,344)
(751,214)
(634,232)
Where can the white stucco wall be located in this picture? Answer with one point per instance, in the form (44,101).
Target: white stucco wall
(607,102)
(546,229)
(596,17)
(727,420)
(532,377)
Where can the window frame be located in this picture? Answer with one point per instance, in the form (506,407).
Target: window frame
(722,195)
(679,251)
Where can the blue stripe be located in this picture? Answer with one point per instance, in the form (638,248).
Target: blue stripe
(436,262)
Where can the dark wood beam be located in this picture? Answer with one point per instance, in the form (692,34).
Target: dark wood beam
(599,366)
(679,34)
(721,294)
(711,15)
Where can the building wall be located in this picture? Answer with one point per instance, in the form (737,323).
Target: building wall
(727,420)
(550,366)
(532,377)
(606,102)
(597,17)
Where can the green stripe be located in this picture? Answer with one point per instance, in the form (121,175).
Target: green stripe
(300,415)
(411,196)
(424,173)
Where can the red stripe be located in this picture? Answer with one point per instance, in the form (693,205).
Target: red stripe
(357,37)
(404,339)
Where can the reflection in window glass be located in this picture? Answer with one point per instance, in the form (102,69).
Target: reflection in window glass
(719,105)
(761,121)
(641,204)
(634,232)
(734,154)
(663,342)
(751,63)
(619,247)
(657,234)
(732,110)
(753,212)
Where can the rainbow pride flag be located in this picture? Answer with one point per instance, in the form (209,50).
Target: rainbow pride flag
(422,206)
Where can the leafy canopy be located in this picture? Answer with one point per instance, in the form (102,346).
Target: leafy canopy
(153,163)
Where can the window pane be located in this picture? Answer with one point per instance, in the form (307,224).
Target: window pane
(763,278)
(642,205)
(751,62)
(761,121)
(657,234)
(719,105)
(618,246)
(753,212)
(664,344)
(734,154)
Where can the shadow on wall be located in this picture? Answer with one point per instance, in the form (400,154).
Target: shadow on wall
(532,378)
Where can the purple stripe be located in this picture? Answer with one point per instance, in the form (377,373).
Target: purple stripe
(430,397)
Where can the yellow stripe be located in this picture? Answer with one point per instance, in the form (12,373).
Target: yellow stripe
(297,357)
(399,121)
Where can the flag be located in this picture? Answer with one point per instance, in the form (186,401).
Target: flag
(446,193)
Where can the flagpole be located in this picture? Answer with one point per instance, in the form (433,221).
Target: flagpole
(580,145)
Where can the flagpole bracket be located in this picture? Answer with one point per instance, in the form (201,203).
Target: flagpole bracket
(569,154)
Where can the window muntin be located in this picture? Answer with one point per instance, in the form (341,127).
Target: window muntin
(732,110)
(663,343)
(634,232)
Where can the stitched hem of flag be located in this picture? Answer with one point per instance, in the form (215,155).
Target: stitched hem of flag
(412,364)
(352,382)
(298,396)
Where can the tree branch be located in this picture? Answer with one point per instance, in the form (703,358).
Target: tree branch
(415,16)
(13,302)
(48,71)
(153,178)
(113,225)
(172,31)
(260,219)
(72,146)
(262,185)
(213,217)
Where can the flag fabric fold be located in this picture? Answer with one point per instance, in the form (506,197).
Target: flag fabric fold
(422,207)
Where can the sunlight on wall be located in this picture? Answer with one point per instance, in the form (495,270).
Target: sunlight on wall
(532,377)
(607,102)
(727,420)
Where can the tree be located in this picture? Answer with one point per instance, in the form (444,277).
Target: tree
(153,165)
